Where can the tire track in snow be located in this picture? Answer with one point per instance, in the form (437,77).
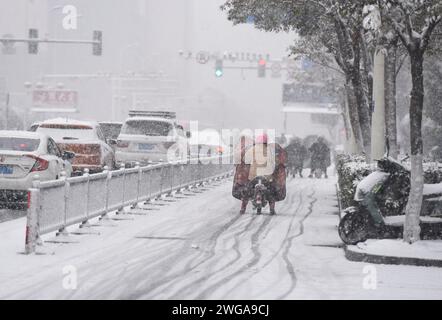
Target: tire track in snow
(299,206)
(289,264)
(238,255)
(188,268)
(190,287)
(256,257)
(273,256)
(212,254)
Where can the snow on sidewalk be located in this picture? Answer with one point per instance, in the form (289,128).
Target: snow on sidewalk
(425,249)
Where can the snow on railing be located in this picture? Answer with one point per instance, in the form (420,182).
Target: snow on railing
(56,205)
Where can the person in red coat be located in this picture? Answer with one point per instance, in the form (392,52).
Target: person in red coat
(248,167)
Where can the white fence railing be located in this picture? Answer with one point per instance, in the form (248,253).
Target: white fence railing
(56,205)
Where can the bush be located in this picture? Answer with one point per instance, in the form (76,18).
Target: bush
(351,170)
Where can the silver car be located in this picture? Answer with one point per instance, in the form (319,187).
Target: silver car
(23,157)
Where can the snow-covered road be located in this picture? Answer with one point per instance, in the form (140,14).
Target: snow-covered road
(199,247)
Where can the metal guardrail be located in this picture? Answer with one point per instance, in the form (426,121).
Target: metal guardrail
(56,205)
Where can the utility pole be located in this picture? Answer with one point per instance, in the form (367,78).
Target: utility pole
(7,111)
(378,116)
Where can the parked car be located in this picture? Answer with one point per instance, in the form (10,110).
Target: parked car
(151,137)
(111,130)
(23,156)
(85,139)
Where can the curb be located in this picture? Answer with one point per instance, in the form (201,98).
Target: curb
(378,259)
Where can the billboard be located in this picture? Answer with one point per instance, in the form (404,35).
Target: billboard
(54,100)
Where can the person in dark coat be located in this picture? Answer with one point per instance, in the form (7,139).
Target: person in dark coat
(248,169)
(320,156)
(296,155)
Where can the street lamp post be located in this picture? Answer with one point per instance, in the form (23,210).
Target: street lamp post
(28,87)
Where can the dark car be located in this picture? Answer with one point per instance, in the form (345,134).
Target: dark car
(111,130)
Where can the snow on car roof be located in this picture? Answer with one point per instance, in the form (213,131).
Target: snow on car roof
(140,118)
(110,122)
(71,122)
(22,134)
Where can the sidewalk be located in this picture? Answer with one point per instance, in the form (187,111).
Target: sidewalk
(425,253)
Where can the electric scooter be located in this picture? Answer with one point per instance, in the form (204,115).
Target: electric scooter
(372,219)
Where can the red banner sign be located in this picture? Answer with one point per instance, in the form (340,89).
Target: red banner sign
(55,98)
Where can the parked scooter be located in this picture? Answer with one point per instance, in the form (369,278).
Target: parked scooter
(367,220)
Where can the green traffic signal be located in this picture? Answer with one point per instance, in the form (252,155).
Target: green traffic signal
(219,68)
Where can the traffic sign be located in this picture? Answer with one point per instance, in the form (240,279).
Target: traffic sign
(203,57)
(8,45)
(55,98)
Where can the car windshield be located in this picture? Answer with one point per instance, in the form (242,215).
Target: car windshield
(19,144)
(148,128)
(65,132)
(111,130)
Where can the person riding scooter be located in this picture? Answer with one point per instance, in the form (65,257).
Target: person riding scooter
(267,160)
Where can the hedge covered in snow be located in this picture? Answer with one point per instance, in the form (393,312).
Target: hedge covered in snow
(350,170)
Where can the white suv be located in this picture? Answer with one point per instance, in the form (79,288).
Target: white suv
(150,137)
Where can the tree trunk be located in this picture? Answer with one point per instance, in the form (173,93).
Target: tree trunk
(412,211)
(354,117)
(390,100)
(350,51)
(363,110)
(367,71)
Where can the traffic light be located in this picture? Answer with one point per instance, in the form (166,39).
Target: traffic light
(219,66)
(262,65)
(33,45)
(97,46)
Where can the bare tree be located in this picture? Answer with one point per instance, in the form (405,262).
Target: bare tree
(414,22)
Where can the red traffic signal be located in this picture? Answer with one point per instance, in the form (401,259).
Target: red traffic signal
(262,66)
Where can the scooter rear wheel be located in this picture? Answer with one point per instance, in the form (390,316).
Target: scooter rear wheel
(354,227)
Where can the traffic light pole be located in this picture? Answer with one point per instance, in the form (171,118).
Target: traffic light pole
(49,41)
(96,42)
